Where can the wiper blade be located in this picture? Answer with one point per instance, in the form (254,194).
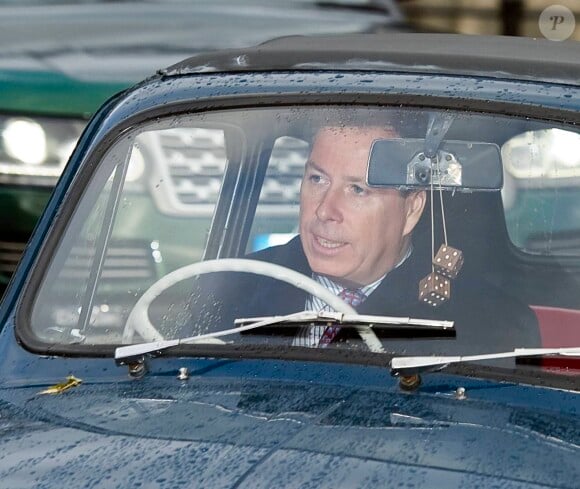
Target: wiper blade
(415,365)
(363,323)
(346,320)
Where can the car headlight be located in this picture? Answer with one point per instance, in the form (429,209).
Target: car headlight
(544,155)
(34,150)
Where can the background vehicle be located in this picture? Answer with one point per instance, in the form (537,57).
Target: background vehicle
(60,60)
(256,411)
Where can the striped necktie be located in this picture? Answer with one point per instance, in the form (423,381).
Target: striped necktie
(354,297)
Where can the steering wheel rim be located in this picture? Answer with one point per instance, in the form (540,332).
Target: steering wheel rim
(138,320)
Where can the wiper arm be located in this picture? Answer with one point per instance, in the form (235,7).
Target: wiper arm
(123,353)
(414,365)
(359,321)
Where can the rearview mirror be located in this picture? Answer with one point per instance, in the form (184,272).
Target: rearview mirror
(458,165)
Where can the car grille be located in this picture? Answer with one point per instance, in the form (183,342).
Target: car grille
(124,261)
(195,164)
(281,189)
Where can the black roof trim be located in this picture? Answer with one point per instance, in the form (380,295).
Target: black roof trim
(495,56)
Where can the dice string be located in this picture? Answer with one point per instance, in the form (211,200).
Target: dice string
(440,189)
(441,201)
(432,224)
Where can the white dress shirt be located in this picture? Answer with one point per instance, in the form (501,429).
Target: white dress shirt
(309,336)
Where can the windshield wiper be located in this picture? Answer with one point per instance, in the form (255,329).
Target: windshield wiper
(405,366)
(345,319)
(359,321)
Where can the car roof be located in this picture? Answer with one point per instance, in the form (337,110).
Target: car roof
(495,56)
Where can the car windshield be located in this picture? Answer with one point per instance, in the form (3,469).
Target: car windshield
(191,222)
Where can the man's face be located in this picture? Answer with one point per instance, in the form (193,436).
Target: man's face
(349,231)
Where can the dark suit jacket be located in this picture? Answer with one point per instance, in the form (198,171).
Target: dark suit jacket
(486,319)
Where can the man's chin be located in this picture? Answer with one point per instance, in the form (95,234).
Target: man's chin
(333,271)
(328,261)
(338,277)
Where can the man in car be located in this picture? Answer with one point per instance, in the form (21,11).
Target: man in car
(352,235)
(357,242)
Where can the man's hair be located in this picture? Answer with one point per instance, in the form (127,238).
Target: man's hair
(388,129)
(361,117)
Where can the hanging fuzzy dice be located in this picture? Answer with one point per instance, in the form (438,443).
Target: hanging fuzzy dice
(448,261)
(434,289)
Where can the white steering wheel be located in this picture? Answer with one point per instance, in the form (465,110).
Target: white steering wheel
(138,320)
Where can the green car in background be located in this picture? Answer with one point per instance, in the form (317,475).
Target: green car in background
(60,60)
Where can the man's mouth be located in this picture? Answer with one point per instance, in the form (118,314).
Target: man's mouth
(327,243)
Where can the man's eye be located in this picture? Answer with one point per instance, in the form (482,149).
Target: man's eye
(357,189)
(315,178)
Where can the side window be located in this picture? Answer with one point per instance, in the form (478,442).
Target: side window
(161,206)
(276,220)
(540,195)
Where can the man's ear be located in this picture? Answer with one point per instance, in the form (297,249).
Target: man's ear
(414,205)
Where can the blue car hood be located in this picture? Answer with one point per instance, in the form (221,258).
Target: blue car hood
(235,432)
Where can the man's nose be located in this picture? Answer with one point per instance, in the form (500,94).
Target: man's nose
(330,208)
